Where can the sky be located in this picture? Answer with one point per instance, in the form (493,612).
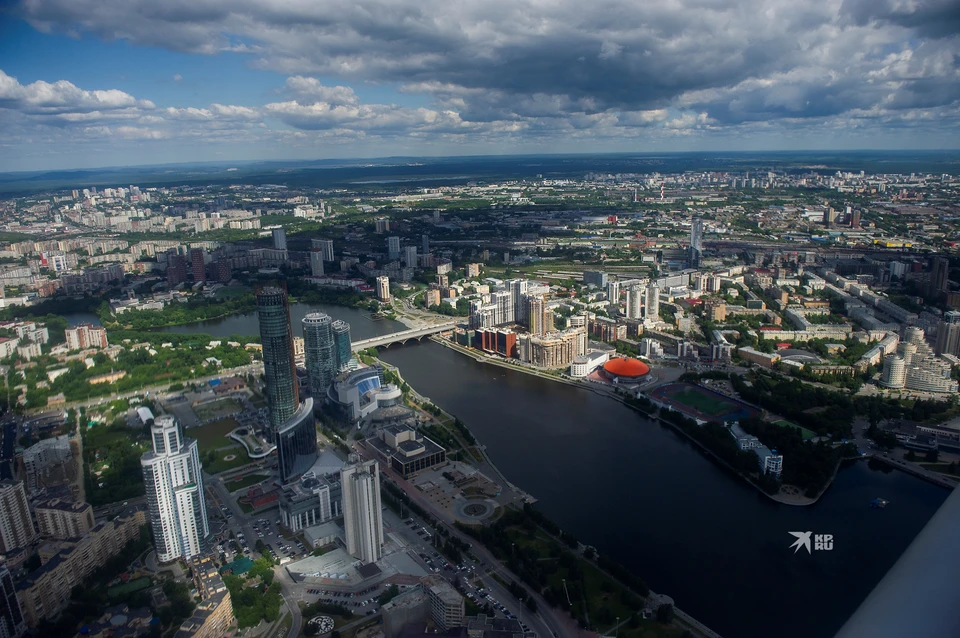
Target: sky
(92,83)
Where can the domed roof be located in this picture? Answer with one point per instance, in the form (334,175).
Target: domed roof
(626,367)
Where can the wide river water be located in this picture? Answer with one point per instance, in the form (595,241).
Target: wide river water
(643,495)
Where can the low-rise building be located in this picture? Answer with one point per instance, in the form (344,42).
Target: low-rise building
(63,518)
(446,603)
(762,359)
(42,459)
(46,591)
(405,450)
(213,615)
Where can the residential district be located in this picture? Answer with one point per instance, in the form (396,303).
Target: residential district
(287,482)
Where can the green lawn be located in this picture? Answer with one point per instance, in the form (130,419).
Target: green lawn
(213,435)
(704,403)
(943,468)
(807,434)
(217,409)
(129,587)
(222,465)
(246,481)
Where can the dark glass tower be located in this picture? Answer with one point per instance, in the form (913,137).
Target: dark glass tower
(342,345)
(319,353)
(279,369)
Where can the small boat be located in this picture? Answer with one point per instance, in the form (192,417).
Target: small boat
(878,503)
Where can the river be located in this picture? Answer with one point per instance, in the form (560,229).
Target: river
(362,326)
(641,493)
(645,496)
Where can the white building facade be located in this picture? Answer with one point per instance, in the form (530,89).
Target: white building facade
(174,490)
(362,522)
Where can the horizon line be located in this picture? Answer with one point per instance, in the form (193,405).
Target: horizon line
(245,162)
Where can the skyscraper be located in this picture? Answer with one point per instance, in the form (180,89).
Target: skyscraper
(279,369)
(634,302)
(393,247)
(325,246)
(279,239)
(410,256)
(518,289)
(537,315)
(173,483)
(652,312)
(696,243)
(176,267)
(197,264)
(948,334)
(12,624)
(342,346)
(362,523)
(318,350)
(426,243)
(613,292)
(316,263)
(16,525)
(294,432)
(939,277)
(383,288)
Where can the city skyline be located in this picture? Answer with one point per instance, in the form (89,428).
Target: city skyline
(115,84)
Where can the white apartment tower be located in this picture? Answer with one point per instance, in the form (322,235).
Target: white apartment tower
(16,524)
(653,304)
(316,263)
(383,288)
(362,523)
(174,489)
(279,239)
(634,302)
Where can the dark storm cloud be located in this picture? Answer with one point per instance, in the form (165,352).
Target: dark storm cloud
(523,65)
(929,18)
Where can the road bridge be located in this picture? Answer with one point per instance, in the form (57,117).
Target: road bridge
(401,337)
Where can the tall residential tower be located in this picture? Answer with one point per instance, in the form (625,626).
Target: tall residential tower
(174,490)
(362,524)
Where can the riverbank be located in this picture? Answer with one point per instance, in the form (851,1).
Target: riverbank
(791,496)
(684,618)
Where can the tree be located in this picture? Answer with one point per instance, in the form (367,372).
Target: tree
(665,613)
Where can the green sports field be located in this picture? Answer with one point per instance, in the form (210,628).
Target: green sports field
(807,434)
(702,402)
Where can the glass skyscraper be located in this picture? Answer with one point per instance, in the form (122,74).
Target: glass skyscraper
(342,345)
(279,369)
(294,432)
(319,354)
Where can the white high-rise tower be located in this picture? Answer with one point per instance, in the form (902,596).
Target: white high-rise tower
(634,302)
(362,523)
(174,490)
(652,312)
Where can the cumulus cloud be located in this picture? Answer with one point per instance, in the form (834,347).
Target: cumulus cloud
(525,69)
(62,97)
(498,60)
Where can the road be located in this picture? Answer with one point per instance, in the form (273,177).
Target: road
(240,523)
(239,371)
(399,529)
(551,623)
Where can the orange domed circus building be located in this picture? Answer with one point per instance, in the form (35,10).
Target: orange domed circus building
(625,370)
